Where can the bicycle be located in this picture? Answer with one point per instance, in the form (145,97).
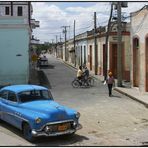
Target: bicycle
(91,81)
(80,83)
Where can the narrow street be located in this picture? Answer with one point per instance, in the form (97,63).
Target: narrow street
(106,121)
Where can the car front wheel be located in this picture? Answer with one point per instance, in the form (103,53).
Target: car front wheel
(27,132)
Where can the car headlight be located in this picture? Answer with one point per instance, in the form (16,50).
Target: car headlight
(38,120)
(77,115)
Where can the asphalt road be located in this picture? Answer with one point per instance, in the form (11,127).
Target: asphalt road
(106,121)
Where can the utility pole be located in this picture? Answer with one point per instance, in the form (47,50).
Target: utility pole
(56,44)
(60,38)
(95,45)
(74,41)
(106,43)
(61,51)
(65,32)
(119,50)
(52,45)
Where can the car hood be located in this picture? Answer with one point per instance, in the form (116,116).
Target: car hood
(50,110)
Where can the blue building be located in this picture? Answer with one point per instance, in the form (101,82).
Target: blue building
(16,27)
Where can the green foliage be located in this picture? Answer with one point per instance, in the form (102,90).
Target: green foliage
(43,47)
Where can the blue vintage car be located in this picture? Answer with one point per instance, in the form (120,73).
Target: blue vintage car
(31,108)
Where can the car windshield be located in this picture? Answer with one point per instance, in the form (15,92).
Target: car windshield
(33,95)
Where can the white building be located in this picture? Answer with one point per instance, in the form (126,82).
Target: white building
(139,49)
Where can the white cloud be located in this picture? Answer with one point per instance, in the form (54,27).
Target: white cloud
(53,16)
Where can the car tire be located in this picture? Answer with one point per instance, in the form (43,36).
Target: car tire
(27,132)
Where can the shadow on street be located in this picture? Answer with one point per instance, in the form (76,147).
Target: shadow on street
(60,140)
(47,141)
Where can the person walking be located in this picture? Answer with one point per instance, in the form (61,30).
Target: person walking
(110,82)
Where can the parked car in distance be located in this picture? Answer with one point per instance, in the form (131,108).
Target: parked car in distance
(31,109)
(43,62)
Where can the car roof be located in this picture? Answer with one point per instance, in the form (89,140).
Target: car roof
(25,87)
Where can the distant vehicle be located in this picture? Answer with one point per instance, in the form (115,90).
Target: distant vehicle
(43,62)
(31,108)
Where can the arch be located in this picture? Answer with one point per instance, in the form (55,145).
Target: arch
(136,64)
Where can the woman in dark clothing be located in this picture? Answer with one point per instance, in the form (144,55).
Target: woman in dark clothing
(110,81)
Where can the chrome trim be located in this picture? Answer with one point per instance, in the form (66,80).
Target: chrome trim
(37,134)
(57,122)
(15,115)
(52,123)
(42,133)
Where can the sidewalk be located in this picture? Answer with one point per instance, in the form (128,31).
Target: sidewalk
(38,77)
(132,93)
(135,94)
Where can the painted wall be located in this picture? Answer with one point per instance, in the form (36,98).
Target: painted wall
(24,6)
(14,47)
(112,39)
(81,45)
(90,42)
(139,23)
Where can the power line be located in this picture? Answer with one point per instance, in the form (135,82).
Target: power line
(55,33)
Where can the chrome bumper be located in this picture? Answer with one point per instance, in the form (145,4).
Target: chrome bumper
(43,133)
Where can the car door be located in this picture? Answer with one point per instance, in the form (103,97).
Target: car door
(13,115)
(3,103)
(9,108)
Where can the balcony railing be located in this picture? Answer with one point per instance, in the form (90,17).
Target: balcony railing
(35,23)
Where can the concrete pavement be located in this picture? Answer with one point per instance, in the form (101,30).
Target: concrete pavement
(106,120)
(132,93)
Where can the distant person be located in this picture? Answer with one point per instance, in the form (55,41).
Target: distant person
(34,59)
(110,82)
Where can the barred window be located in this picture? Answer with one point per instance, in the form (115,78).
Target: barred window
(20,11)
(7,11)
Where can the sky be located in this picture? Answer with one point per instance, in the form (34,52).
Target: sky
(54,15)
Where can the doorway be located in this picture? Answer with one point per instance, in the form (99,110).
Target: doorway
(113,60)
(146,65)
(90,50)
(104,59)
(135,62)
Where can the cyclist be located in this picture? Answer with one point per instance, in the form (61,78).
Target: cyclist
(86,74)
(80,74)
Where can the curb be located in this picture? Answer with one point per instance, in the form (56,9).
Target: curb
(69,65)
(116,89)
(132,97)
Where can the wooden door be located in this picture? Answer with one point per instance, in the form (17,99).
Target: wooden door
(113,60)
(146,65)
(90,57)
(84,54)
(81,60)
(104,59)
(135,62)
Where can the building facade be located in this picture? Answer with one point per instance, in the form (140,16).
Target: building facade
(81,49)
(112,51)
(16,27)
(139,49)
